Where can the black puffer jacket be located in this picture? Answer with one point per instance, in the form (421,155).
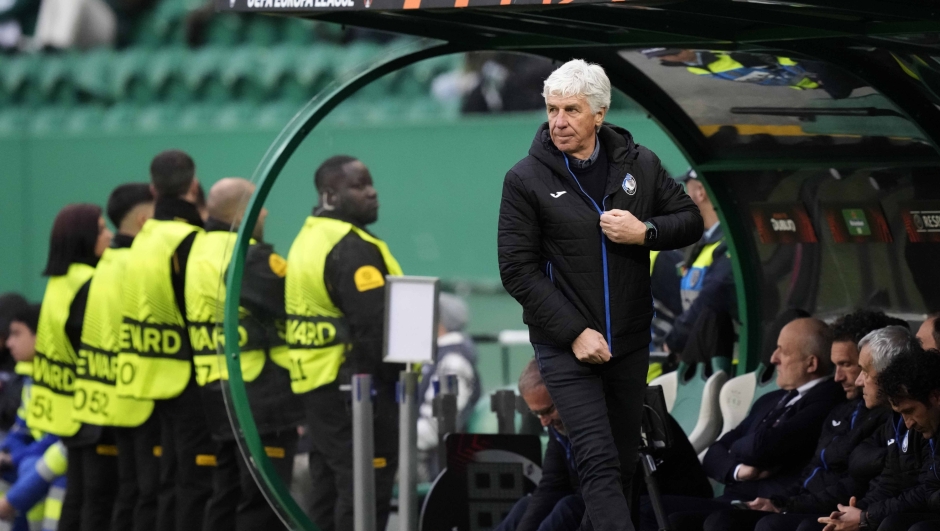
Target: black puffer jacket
(828,481)
(899,488)
(554,259)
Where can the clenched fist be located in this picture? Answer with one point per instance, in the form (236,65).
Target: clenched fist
(620,226)
(591,347)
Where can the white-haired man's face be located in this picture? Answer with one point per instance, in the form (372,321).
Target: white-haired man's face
(572,125)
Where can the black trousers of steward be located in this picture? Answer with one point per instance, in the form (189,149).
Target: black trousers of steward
(237,502)
(138,476)
(92,484)
(329,414)
(186,462)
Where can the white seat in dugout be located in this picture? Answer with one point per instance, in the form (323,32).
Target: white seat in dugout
(740,393)
(693,402)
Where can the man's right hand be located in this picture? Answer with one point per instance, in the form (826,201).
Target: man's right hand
(591,347)
(748,473)
(762,504)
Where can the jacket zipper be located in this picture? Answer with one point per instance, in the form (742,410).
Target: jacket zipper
(610,344)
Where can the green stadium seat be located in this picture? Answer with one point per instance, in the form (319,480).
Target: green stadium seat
(82,119)
(197,117)
(156,117)
(119,117)
(91,72)
(298,31)
(44,120)
(19,77)
(234,116)
(276,70)
(163,25)
(314,66)
(55,80)
(225,29)
(275,116)
(263,30)
(202,70)
(239,73)
(356,56)
(164,74)
(129,76)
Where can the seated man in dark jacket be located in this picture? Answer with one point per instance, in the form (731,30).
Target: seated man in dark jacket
(911,383)
(843,463)
(556,504)
(763,456)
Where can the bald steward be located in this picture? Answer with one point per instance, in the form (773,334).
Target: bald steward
(227,201)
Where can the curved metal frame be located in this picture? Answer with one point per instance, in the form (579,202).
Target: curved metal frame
(268,170)
(634,83)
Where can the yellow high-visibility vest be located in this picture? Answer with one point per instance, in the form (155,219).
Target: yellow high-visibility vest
(156,358)
(96,397)
(50,408)
(205,300)
(694,278)
(317,332)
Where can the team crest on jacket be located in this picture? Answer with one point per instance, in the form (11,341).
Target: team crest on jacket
(629,184)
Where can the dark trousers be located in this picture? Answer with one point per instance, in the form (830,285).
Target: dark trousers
(791,522)
(138,476)
(684,513)
(910,522)
(329,414)
(186,463)
(237,502)
(566,516)
(91,485)
(601,407)
(744,520)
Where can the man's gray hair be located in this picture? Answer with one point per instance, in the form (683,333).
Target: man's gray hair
(579,78)
(884,344)
(530,379)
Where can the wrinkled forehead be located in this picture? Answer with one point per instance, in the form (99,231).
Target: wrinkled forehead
(566,101)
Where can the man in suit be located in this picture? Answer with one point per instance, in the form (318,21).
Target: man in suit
(764,455)
(839,468)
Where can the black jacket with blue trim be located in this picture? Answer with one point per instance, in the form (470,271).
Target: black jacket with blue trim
(900,488)
(784,445)
(828,479)
(554,259)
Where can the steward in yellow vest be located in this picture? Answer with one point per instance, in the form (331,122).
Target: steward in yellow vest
(79,238)
(237,502)
(707,280)
(112,421)
(156,360)
(54,365)
(335,298)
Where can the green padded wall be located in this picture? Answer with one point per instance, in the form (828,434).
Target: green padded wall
(439,184)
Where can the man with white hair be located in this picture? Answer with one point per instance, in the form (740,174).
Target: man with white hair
(578,218)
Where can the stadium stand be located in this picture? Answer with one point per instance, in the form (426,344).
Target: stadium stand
(248,71)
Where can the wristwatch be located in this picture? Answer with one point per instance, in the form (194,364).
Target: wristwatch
(863,520)
(651,233)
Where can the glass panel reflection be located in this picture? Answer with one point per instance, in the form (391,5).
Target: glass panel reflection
(766,100)
(875,232)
